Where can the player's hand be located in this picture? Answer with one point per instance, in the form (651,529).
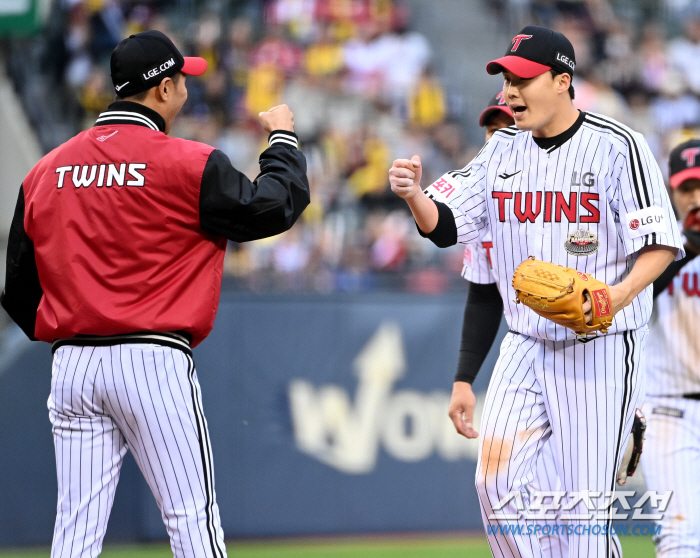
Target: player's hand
(404,177)
(619,295)
(462,409)
(277,118)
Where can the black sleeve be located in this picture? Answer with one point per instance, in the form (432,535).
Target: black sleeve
(232,206)
(482,317)
(666,278)
(445,232)
(22,292)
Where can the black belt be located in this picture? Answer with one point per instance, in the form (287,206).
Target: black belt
(695,396)
(174,339)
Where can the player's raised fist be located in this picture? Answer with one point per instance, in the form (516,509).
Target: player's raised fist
(404,177)
(277,118)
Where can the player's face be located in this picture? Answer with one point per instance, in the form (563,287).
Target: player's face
(497,121)
(686,197)
(534,101)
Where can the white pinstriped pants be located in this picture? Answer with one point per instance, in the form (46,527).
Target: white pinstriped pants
(671,461)
(578,397)
(144,398)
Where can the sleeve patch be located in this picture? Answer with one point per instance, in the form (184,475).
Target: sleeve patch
(646,221)
(467,256)
(442,189)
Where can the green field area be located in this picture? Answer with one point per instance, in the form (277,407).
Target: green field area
(472,547)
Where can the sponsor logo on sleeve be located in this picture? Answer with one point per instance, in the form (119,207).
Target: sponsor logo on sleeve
(442,189)
(646,221)
(467,256)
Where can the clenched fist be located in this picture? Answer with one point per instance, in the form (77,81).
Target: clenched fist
(277,118)
(404,177)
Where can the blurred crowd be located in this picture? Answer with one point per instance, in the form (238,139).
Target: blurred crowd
(364,90)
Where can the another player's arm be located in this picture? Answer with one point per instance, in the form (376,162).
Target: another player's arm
(482,317)
(232,206)
(23,292)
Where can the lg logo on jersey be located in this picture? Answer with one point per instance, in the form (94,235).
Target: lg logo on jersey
(105,174)
(588,179)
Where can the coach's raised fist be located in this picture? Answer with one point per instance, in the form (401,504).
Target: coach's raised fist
(404,177)
(277,118)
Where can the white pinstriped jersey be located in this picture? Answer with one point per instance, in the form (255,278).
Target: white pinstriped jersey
(673,348)
(590,203)
(477,260)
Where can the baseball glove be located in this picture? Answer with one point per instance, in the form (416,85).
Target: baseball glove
(634,448)
(558,293)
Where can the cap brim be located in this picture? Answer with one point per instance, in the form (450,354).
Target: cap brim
(490,110)
(521,67)
(194,66)
(677,179)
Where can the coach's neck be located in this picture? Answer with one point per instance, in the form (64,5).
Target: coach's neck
(166,98)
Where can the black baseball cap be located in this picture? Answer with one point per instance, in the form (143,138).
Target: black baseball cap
(684,162)
(143,60)
(534,51)
(496,104)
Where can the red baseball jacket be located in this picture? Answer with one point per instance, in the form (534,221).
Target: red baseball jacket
(123,229)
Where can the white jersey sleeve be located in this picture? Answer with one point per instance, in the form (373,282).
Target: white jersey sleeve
(464,192)
(478,267)
(644,209)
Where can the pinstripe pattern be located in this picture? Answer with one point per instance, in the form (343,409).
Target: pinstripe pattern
(674,327)
(671,458)
(566,395)
(671,461)
(477,269)
(141,397)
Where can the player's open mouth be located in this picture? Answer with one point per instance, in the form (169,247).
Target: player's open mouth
(518,110)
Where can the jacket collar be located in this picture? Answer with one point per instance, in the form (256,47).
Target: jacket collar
(128,112)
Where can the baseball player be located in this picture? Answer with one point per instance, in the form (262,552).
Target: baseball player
(672,404)
(115,257)
(485,306)
(565,187)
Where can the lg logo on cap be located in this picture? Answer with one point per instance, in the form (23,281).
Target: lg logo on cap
(159,69)
(565,60)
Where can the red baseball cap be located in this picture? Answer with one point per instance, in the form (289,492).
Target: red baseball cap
(534,51)
(496,104)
